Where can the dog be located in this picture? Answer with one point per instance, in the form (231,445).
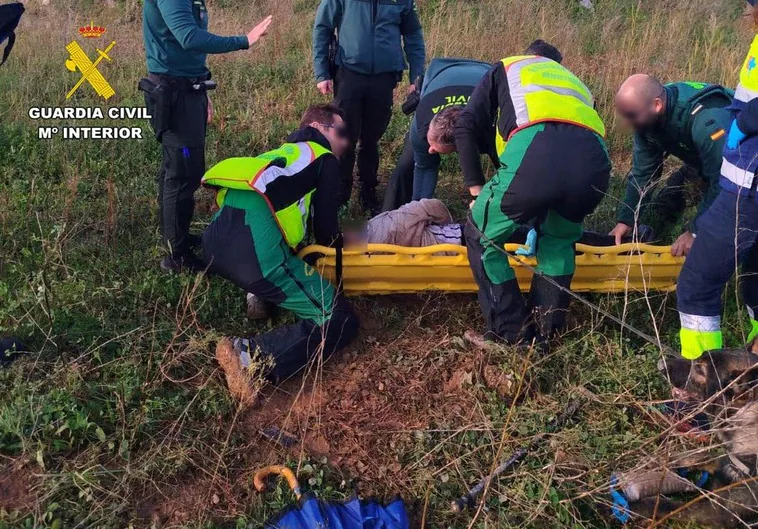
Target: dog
(725,382)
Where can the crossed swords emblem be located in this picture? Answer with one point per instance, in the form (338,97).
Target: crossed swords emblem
(80,61)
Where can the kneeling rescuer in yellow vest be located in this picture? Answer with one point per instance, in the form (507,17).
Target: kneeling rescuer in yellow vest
(554,171)
(266,203)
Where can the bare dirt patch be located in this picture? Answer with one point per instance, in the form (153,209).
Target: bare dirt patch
(17,482)
(365,409)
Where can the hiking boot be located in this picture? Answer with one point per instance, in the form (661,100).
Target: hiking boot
(241,369)
(257,308)
(189,262)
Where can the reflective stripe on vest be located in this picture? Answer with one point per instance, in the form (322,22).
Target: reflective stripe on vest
(737,175)
(543,90)
(747,89)
(258,173)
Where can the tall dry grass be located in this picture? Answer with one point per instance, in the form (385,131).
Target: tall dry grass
(700,40)
(86,219)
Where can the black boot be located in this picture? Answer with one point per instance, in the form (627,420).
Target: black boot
(548,305)
(187,262)
(194,240)
(258,308)
(505,313)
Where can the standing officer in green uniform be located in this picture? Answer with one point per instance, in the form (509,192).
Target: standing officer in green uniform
(177,42)
(266,205)
(554,168)
(686,120)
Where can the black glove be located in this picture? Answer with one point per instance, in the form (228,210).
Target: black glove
(412,100)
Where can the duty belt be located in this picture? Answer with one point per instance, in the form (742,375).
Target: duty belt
(180,83)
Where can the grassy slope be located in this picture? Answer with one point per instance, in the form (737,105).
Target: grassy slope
(122,417)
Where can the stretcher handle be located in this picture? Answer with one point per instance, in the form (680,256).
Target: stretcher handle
(259,478)
(458,249)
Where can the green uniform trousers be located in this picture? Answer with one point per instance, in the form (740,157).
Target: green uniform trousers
(552,175)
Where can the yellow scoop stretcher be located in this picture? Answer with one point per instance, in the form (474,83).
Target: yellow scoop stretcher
(379,269)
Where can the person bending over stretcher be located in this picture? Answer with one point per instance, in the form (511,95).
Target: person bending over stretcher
(554,167)
(265,206)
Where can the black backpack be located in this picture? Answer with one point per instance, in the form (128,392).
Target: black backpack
(10,14)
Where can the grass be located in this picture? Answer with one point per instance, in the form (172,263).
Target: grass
(121,417)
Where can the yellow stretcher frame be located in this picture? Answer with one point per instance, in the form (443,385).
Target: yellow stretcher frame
(381,269)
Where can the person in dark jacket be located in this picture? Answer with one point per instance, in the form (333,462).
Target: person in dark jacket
(369,63)
(687,120)
(177,42)
(447,86)
(266,204)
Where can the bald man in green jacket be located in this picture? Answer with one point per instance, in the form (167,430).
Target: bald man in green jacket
(686,120)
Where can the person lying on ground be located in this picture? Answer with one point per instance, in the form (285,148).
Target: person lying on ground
(686,120)
(554,166)
(447,84)
(428,222)
(265,206)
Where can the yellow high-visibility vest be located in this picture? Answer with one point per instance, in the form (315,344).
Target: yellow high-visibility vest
(747,89)
(543,90)
(256,174)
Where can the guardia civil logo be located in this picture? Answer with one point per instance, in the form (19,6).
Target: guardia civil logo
(80,62)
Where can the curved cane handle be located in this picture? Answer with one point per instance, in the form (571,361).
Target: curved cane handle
(261,475)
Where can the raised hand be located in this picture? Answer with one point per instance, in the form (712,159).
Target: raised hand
(259,30)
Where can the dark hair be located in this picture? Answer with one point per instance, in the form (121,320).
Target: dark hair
(442,126)
(544,49)
(321,114)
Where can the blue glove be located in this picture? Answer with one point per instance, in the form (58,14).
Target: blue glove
(735,137)
(530,249)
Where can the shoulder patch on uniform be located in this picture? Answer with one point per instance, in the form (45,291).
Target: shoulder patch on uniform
(718,134)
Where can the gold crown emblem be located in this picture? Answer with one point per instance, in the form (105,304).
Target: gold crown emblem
(92,31)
